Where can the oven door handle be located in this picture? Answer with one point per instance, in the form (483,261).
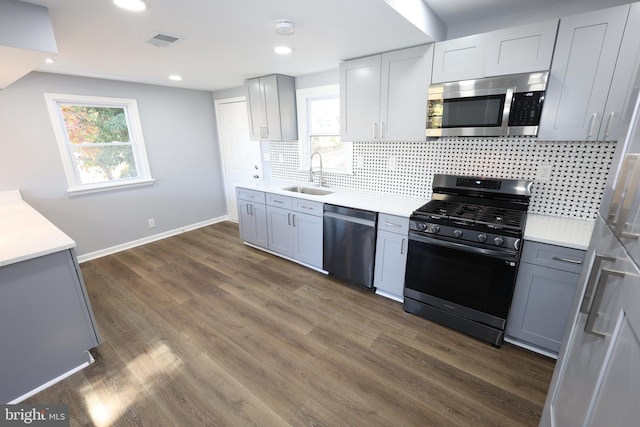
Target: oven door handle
(505,255)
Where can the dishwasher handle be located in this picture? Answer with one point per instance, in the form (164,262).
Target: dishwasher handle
(348,218)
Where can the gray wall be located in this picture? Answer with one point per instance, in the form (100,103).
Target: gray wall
(181,139)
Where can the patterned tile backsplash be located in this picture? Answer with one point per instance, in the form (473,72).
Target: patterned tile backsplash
(578,169)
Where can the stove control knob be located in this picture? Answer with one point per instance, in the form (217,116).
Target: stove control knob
(457,233)
(435,229)
(482,237)
(498,241)
(422,226)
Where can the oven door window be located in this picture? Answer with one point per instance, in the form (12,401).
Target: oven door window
(476,111)
(473,280)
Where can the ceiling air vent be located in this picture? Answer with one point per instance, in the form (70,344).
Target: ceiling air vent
(163,39)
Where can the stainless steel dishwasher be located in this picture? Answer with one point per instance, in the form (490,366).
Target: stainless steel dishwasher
(350,244)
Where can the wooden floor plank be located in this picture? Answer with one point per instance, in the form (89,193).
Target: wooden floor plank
(200,329)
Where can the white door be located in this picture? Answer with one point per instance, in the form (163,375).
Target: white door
(240,156)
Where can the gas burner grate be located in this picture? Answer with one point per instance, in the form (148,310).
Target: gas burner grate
(500,217)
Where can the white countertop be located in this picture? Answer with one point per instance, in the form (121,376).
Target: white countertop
(567,232)
(25,233)
(379,202)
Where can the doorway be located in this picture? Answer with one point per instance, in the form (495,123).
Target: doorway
(241,160)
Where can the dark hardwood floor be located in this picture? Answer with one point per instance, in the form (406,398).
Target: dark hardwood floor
(200,329)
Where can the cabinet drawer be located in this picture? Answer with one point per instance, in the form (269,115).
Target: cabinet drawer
(308,207)
(250,195)
(279,201)
(393,224)
(558,257)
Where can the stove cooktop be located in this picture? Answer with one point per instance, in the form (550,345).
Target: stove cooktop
(441,211)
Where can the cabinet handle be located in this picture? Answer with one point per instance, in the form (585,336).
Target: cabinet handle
(306,207)
(627,203)
(606,130)
(569,260)
(402,247)
(252,211)
(277,201)
(597,300)
(248,211)
(592,125)
(591,282)
(375,130)
(293,220)
(289,219)
(391,224)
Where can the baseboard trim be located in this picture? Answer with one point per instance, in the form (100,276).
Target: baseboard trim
(149,239)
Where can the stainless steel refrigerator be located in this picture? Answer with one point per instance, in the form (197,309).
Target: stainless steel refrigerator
(596,381)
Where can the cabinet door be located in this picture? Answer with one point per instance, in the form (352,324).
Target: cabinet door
(626,82)
(391,260)
(583,65)
(360,99)
(260,220)
(406,75)
(280,230)
(256,109)
(522,49)
(246,222)
(459,59)
(308,239)
(595,319)
(541,304)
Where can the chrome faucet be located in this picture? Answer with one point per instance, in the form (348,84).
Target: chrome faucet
(312,172)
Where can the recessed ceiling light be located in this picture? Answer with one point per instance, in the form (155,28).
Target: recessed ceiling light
(134,5)
(49,60)
(282,50)
(175,77)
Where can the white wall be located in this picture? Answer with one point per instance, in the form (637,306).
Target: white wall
(181,139)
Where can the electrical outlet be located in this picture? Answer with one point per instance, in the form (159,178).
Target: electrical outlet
(151,222)
(543,174)
(267,157)
(393,163)
(359,162)
(281,158)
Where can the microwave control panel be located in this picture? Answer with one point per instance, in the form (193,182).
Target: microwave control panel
(526,108)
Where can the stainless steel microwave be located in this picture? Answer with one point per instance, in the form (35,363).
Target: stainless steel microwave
(492,106)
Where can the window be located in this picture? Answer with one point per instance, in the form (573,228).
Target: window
(319,121)
(100,142)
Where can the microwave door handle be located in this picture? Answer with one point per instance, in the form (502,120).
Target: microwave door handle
(508,100)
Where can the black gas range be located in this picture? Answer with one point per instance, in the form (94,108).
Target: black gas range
(464,250)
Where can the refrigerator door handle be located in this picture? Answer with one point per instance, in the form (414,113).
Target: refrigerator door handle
(597,300)
(627,203)
(628,165)
(585,308)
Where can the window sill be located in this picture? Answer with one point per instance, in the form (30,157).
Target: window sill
(98,188)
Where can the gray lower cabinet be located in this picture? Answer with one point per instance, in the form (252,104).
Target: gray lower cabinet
(252,216)
(46,323)
(295,228)
(391,256)
(545,289)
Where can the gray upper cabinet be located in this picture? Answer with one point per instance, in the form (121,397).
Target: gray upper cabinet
(581,102)
(522,49)
(272,108)
(383,97)
(459,59)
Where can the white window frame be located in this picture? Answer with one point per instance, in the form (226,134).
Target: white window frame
(130,106)
(303,96)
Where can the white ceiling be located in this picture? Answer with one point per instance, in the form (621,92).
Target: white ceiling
(227,41)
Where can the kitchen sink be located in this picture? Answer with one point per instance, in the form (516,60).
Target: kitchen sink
(308,190)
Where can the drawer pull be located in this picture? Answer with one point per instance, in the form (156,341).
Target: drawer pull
(278,201)
(391,224)
(306,207)
(568,260)
(597,300)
